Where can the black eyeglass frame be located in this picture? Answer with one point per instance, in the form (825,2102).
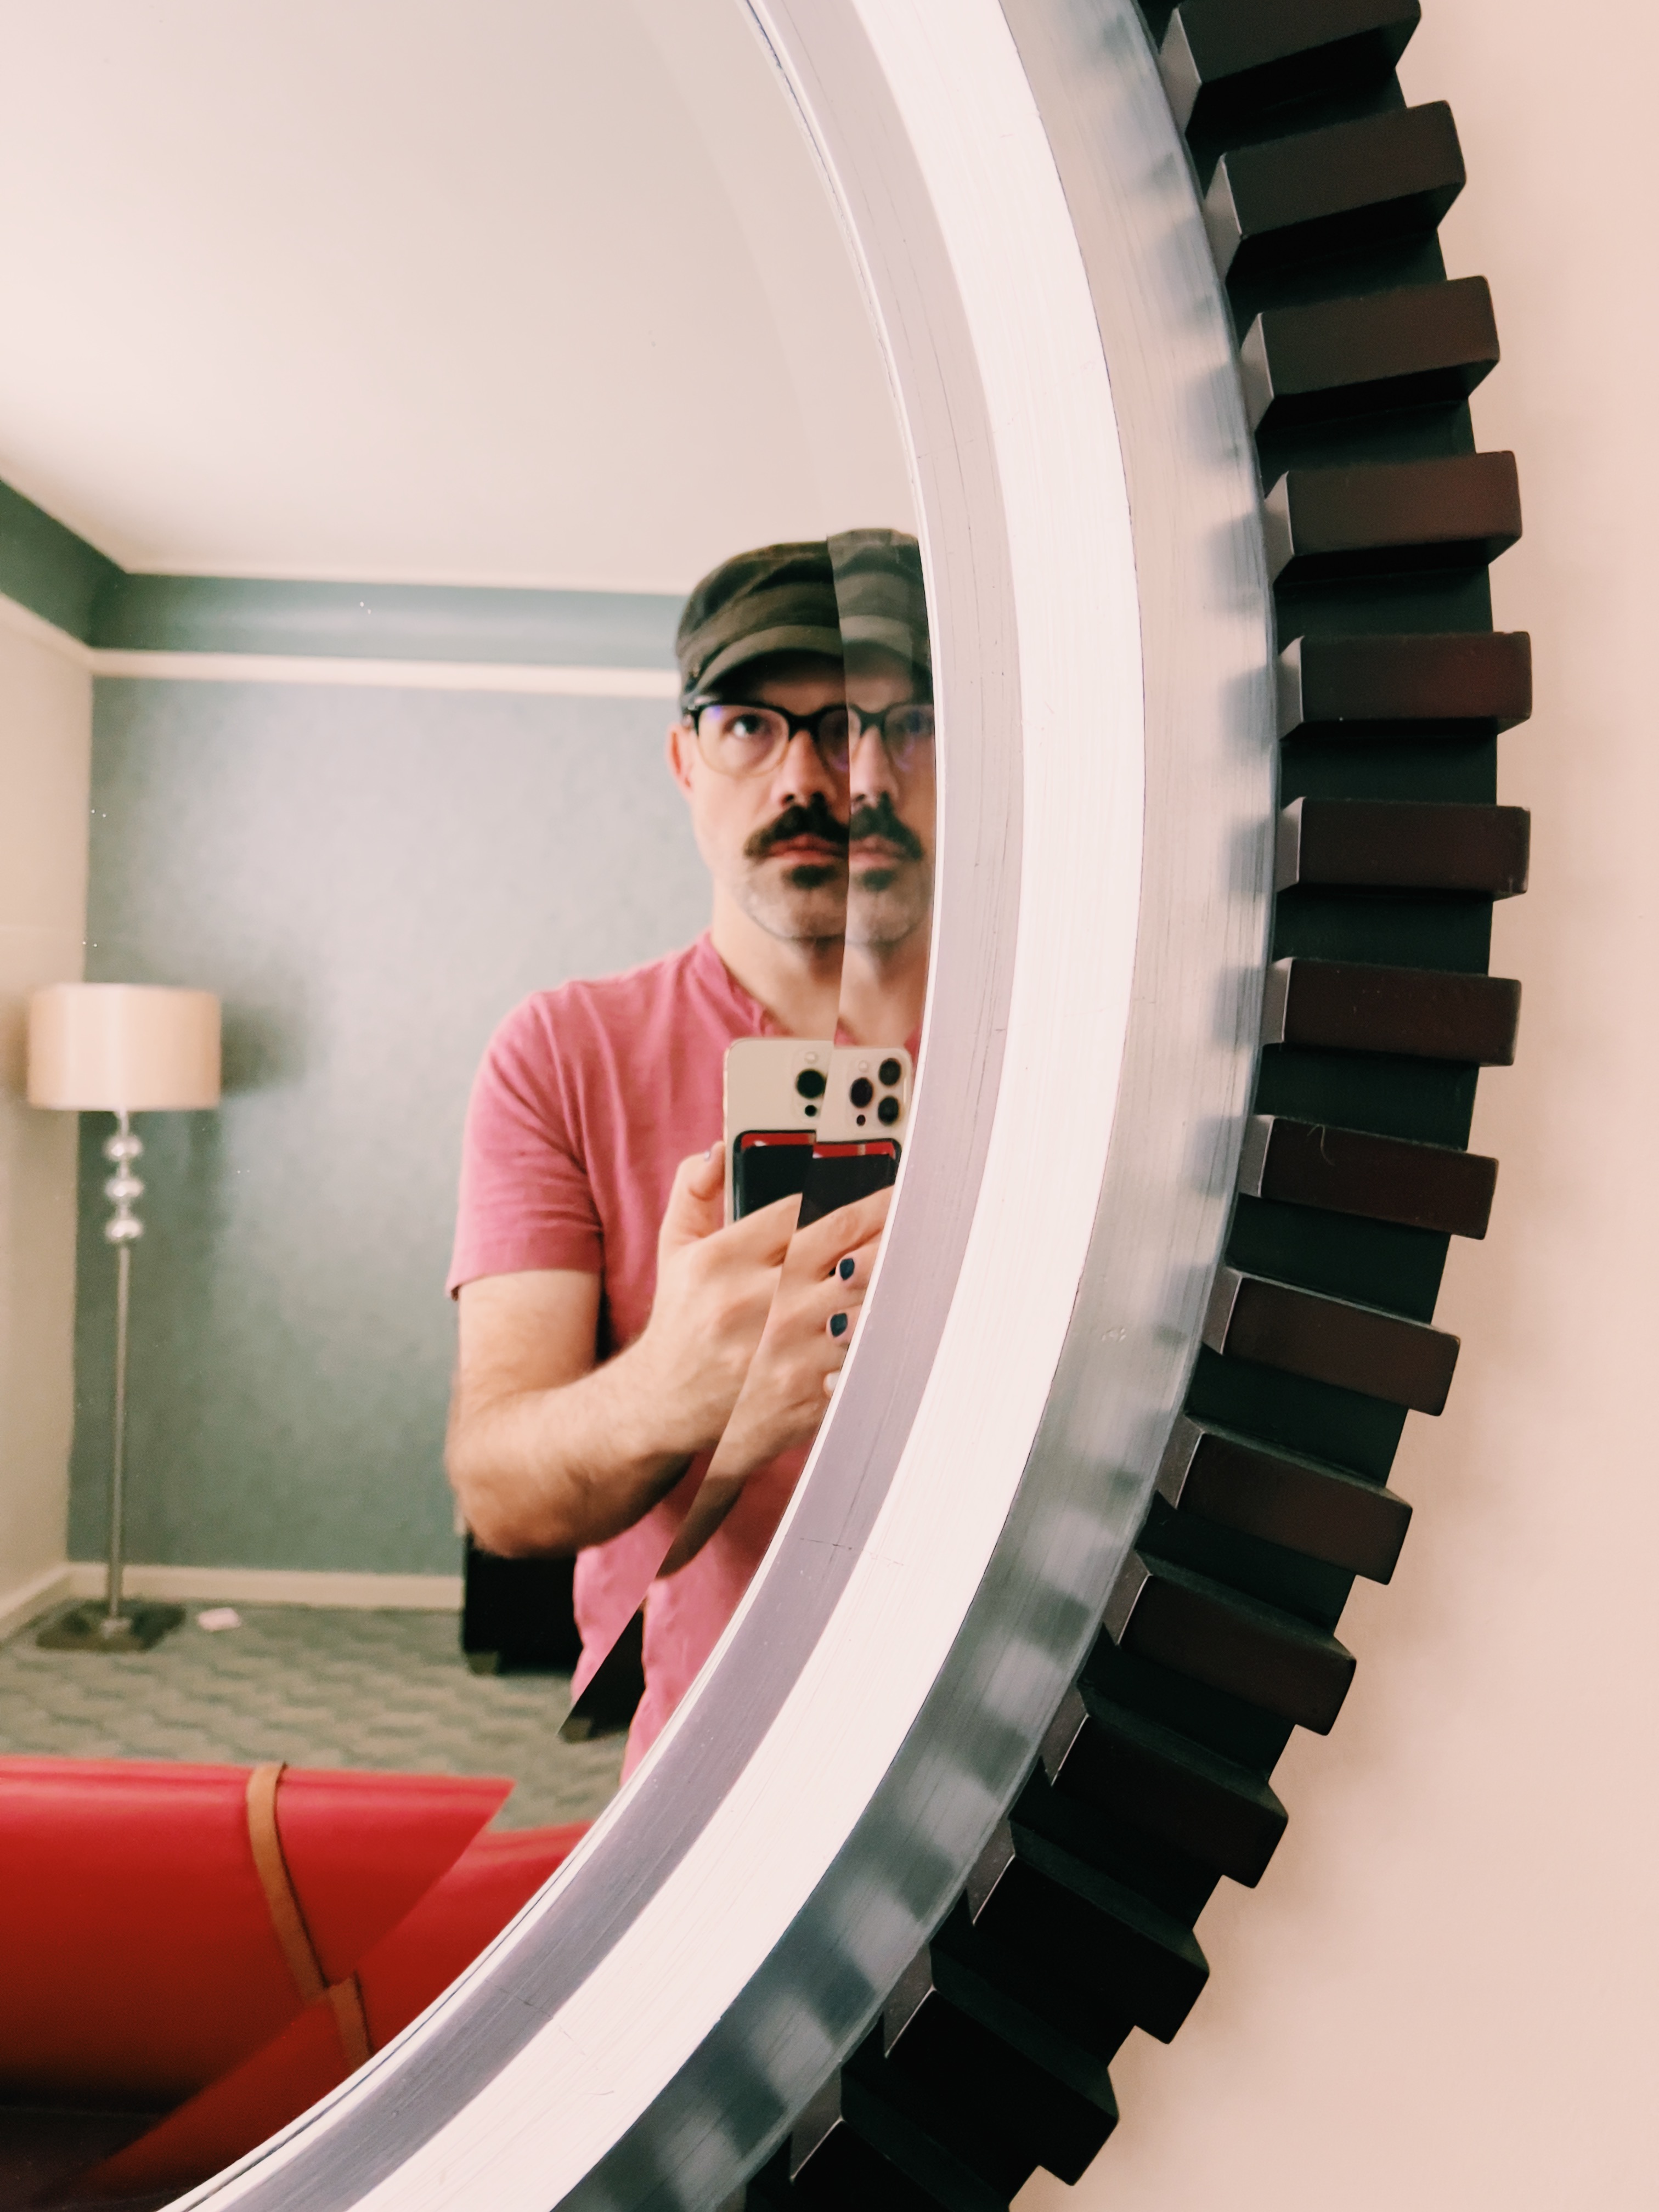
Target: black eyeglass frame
(859,721)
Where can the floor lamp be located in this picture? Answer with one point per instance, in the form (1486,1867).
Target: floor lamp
(120,1049)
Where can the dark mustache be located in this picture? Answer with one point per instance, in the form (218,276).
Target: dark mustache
(812,820)
(875,817)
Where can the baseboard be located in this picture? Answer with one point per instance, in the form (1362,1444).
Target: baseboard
(271,1586)
(25,1600)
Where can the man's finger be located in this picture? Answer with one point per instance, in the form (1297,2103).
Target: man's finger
(705,1172)
(695,1200)
(765,1234)
(822,1242)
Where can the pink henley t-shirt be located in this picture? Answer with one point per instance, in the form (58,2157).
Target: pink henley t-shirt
(588,1099)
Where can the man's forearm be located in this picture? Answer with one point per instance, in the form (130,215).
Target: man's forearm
(554,1470)
(547,1454)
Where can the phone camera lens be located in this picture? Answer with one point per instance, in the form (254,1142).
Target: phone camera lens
(862,1092)
(813,1109)
(890,1072)
(888,1111)
(810,1083)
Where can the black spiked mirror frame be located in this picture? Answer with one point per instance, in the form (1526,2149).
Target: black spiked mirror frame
(1321,191)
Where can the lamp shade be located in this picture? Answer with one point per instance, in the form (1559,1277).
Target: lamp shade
(123,1048)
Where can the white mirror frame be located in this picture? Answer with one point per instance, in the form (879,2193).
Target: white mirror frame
(1016,196)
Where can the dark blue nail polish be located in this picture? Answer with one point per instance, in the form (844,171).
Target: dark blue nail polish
(846,1268)
(837,1324)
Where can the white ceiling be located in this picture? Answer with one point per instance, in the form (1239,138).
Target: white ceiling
(474,291)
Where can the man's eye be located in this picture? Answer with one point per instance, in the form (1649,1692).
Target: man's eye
(746,725)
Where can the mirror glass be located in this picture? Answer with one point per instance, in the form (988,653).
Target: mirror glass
(459,607)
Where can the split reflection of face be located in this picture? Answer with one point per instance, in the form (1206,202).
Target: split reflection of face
(892,796)
(813,795)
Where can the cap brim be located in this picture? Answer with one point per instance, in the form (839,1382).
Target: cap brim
(789,637)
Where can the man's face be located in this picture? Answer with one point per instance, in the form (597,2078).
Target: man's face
(775,843)
(891,827)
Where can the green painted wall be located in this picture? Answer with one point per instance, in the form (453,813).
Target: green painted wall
(385,622)
(369,878)
(46,567)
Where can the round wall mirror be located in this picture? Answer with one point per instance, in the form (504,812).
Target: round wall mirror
(1099,362)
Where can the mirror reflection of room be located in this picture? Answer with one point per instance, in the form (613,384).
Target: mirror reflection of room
(400,598)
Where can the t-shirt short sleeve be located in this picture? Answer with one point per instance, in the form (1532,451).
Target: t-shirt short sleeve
(526,1198)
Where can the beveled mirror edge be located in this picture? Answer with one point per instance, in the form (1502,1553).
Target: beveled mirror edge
(1205,915)
(469,2107)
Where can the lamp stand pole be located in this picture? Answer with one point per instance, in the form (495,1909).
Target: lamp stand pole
(114,1626)
(122,1229)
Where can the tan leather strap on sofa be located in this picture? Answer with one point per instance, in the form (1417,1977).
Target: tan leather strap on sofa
(288,1922)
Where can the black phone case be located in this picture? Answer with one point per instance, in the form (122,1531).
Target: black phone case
(838,1180)
(763,1173)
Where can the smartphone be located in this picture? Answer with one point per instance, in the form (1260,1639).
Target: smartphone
(866,1109)
(867,1098)
(775,1089)
(809,1119)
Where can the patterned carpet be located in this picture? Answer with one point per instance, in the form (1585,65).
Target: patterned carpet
(379,1690)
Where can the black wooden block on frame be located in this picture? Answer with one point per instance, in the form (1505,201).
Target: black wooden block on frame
(1029,1896)
(849,2147)
(1222,59)
(1009,2090)
(1421,1012)
(1323,1512)
(1465,685)
(1418,845)
(1418,345)
(1460,511)
(1432,1187)
(1202,1628)
(1219,1813)
(1330,1340)
(1350,186)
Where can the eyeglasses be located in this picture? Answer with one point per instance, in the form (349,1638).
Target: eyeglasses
(739,740)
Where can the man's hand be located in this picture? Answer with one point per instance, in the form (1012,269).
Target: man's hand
(549,1453)
(715,1288)
(821,1287)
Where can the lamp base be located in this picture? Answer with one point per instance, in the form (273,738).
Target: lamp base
(88,1627)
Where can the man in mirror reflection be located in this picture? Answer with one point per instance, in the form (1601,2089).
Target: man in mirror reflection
(609,1319)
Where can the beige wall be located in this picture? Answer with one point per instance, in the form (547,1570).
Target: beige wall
(45,740)
(1443,1993)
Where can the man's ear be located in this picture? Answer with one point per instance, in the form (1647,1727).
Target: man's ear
(682,745)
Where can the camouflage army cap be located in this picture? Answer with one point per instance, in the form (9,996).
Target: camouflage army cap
(779,598)
(879,595)
(860,587)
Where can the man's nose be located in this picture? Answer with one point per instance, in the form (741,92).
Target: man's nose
(870,771)
(803,770)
